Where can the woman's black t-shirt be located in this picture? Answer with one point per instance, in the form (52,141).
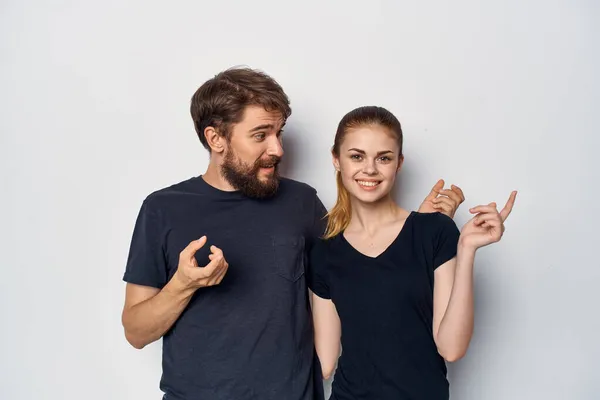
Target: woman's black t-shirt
(385,305)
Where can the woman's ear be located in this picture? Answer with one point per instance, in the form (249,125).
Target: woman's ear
(400,162)
(336,162)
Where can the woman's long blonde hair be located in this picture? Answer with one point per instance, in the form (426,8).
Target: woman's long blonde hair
(339,216)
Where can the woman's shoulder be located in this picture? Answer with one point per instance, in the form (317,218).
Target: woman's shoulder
(433,222)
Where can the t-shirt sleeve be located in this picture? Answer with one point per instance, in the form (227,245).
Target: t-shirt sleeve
(445,240)
(146,262)
(318,221)
(317,270)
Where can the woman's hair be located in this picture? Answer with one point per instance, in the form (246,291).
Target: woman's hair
(340,214)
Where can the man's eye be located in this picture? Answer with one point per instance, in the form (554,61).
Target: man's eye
(260,137)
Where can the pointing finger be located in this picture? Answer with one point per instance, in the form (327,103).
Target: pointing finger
(509,205)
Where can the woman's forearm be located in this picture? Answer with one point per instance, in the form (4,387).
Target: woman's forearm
(456,327)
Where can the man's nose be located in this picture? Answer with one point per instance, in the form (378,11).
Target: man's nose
(275,148)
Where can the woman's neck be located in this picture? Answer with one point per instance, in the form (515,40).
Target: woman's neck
(369,217)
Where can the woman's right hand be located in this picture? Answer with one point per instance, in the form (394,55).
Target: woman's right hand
(487,226)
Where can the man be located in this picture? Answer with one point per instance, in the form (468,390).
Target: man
(217,262)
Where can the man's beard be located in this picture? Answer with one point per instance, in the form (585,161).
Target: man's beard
(244,177)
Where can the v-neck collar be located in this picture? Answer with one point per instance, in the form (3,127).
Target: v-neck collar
(396,239)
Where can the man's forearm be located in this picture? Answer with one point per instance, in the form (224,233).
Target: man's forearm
(150,319)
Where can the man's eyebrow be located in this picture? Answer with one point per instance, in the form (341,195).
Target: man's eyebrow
(262,127)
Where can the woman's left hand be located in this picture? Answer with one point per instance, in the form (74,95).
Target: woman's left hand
(487,226)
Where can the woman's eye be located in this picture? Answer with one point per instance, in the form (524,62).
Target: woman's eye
(356,157)
(385,159)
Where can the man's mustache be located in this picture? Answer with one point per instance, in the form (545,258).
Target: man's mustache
(272,161)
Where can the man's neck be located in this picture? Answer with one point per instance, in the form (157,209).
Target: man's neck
(214,178)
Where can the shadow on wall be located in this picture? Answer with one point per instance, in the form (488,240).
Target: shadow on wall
(408,182)
(463,383)
(292,149)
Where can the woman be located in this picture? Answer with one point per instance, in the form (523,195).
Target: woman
(373,274)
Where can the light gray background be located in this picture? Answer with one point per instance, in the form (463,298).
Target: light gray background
(493,96)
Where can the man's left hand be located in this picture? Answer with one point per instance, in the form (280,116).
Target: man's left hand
(442,200)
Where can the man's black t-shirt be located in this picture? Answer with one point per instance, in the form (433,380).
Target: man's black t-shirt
(385,305)
(251,336)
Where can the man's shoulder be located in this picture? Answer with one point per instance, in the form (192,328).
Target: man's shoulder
(296,187)
(162,197)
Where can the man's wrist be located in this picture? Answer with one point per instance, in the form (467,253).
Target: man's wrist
(178,287)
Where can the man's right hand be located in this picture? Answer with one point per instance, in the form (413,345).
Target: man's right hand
(191,276)
(149,312)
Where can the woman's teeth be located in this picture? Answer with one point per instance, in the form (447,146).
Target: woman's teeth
(370,184)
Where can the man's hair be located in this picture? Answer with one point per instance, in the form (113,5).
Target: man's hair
(220,102)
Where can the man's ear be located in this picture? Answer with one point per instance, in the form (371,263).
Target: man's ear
(215,141)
